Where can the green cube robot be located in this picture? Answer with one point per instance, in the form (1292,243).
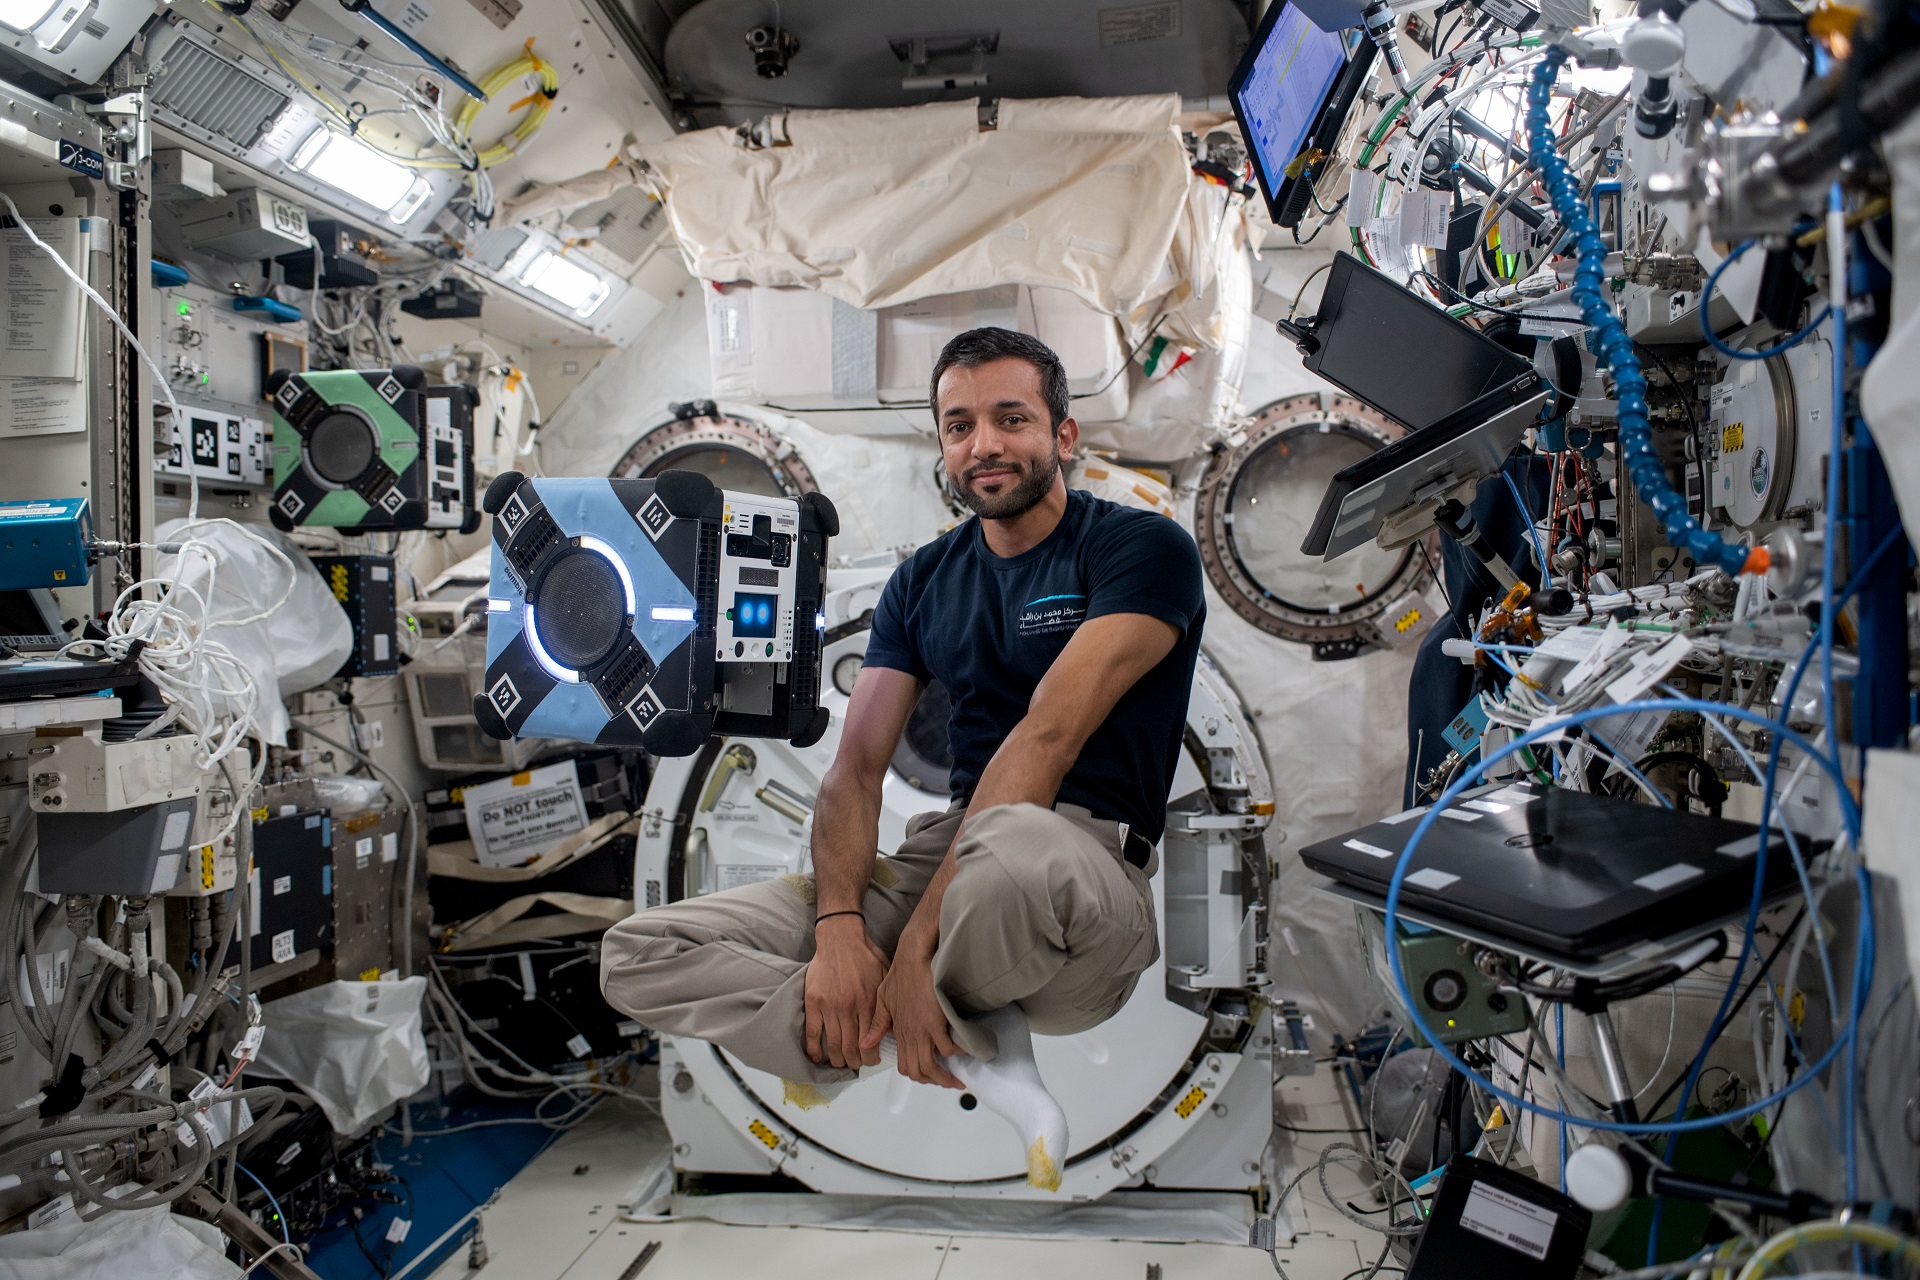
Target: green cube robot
(369,450)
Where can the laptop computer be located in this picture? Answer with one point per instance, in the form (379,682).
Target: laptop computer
(1465,399)
(31,633)
(49,677)
(1561,871)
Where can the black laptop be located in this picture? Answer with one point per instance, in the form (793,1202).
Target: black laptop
(1575,874)
(31,634)
(1465,400)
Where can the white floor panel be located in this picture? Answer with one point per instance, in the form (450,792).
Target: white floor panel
(561,1220)
(705,1251)
(976,1258)
(558,1206)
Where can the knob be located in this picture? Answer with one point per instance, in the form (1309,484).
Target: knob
(1598,1177)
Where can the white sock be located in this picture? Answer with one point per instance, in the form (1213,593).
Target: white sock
(1011,1088)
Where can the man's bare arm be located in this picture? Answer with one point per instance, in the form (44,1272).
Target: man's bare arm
(1103,660)
(847,967)
(846,818)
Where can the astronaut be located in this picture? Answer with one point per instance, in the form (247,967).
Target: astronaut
(1065,629)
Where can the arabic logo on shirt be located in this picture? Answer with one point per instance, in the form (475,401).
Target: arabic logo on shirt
(1051,614)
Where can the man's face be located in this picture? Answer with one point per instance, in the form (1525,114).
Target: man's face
(1002,454)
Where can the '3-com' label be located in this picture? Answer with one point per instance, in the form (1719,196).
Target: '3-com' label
(82,159)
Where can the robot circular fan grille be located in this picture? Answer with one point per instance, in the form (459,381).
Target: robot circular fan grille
(341,446)
(1108,1078)
(583,608)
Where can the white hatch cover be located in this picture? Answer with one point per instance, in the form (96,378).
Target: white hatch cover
(748,812)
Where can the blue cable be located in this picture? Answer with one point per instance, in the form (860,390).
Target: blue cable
(1836,206)
(1494,651)
(1491,651)
(1828,550)
(1610,338)
(1533,530)
(1626,765)
(1683,531)
(1864,948)
(1560,1056)
(284,1233)
(1713,339)
(1721,1015)
(1718,1025)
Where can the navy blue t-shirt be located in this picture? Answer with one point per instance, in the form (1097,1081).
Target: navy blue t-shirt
(987,628)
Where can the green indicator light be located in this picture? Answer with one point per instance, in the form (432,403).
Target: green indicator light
(769,650)
(183,308)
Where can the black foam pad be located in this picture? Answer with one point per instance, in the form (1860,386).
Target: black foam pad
(490,721)
(499,491)
(677,735)
(685,493)
(824,512)
(815,728)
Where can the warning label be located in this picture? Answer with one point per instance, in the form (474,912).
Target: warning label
(732,875)
(515,819)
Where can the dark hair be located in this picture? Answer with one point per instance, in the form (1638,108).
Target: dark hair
(979,346)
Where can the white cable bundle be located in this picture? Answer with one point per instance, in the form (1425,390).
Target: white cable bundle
(213,695)
(199,676)
(1668,596)
(210,693)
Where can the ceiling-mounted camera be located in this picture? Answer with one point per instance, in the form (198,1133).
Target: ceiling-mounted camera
(772,48)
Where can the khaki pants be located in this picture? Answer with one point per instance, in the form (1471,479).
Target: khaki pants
(1043,911)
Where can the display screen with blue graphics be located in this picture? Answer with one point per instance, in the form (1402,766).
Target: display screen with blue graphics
(1282,96)
(754,615)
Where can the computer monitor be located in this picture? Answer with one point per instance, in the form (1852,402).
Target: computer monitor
(1465,399)
(1437,364)
(1293,89)
(30,613)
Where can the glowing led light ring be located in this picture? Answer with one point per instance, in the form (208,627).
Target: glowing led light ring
(541,655)
(604,549)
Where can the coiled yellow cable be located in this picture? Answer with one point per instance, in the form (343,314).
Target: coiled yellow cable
(538,103)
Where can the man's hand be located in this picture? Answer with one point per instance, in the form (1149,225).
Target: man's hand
(907,1006)
(842,980)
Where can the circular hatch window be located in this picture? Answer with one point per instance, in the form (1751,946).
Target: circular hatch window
(734,453)
(1256,504)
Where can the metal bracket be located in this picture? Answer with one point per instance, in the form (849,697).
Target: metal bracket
(127,104)
(1292,1056)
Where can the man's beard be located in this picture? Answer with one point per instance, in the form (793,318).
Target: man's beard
(1022,496)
